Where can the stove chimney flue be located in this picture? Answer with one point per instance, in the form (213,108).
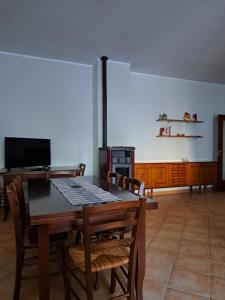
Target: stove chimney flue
(104,101)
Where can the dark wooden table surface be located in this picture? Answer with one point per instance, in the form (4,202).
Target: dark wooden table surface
(52,213)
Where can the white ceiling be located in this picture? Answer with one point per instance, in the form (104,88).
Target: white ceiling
(177,38)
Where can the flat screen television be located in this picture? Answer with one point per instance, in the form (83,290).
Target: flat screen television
(27,152)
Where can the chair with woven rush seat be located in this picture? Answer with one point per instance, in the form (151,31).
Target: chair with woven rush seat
(119,179)
(133,184)
(26,238)
(107,254)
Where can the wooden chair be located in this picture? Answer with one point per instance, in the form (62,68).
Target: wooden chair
(99,255)
(59,174)
(26,238)
(119,179)
(134,184)
(82,169)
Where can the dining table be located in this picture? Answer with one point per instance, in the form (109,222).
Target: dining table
(53,213)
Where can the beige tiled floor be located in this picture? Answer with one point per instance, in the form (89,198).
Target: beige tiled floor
(185,252)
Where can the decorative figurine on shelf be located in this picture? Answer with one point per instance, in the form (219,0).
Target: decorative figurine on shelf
(195,117)
(187,116)
(161,131)
(165,131)
(164,116)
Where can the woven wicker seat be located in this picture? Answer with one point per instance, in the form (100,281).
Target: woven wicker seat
(101,260)
(107,253)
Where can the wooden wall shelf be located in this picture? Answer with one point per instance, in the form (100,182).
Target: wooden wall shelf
(180,136)
(179,121)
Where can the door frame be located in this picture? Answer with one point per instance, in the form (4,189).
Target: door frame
(220,180)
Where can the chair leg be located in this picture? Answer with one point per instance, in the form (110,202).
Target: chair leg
(113,282)
(97,280)
(89,286)
(78,237)
(18,277)
(66,274)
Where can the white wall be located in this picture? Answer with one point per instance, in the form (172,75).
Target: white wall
(62,101)
(48,99)
(135,123)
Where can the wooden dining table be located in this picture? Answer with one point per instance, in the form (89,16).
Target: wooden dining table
(53,213)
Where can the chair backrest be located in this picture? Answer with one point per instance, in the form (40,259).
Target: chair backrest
(58,174)
(133,184)
(15,211)
(113,217)
(21,199)
(82,169)
(119,179)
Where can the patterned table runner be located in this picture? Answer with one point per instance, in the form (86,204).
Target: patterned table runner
(80,192)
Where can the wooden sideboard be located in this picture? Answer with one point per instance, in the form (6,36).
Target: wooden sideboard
(177,174)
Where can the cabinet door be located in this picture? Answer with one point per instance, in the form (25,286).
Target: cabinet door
(177,174)
(159,176)
(208,173)
(193,175)
(142,172)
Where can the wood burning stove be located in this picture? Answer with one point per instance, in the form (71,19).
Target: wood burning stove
(116,159)
(112,159)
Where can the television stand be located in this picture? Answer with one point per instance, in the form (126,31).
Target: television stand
(44,168)
(36,169)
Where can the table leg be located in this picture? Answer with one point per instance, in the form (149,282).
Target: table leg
(140,268)
(43,263)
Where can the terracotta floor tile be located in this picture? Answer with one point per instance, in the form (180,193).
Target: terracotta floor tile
(193,262)
(196,229)
(170,234)
(217,232)
(196,248)
(198,221)
(196,237)
(217,253)
(177,295)
(171,244)
(6,255)
(153,290)
(217,288)
(217,268)
(175,220)
(217,242)
(157,271)
(160,256)
(169,226)
(6,288)
(190,282)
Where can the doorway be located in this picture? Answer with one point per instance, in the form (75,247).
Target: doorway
(221,152)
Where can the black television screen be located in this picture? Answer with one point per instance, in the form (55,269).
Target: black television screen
(27,152)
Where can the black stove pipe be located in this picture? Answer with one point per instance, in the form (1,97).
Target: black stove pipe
(104,101)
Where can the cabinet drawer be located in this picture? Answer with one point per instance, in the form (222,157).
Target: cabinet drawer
(143,174)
